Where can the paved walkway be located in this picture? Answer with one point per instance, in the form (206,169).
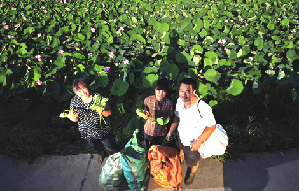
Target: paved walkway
(277,171)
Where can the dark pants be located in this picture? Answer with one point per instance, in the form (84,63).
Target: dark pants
(191,157)
(108,141)
(151,140)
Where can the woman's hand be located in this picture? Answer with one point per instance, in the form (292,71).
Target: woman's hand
(146,115)
(107,111)
(73,115)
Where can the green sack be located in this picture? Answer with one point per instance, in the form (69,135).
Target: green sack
(111,175)
(135,164)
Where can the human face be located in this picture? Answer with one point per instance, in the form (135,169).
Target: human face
(186,92)
(160,94)
(82,91)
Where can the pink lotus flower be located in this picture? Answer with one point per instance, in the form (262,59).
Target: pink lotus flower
(38,82)
(6,26)
(127,11)
(226,21)
(157,12)
(115,20)
(246,24)
(60,51)
(111,54)
(39,57)
(10,36)
(126,61)
(39,35)
(14,9)
(293,31)
(221,41)
(121,28)
(17,25)
(251,58)
(106,69)
(93,30)
(1,5)
(45,11)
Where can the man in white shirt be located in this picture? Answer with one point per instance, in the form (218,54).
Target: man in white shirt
(194,126)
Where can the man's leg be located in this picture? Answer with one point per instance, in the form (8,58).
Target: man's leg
(194,168)
(182,157)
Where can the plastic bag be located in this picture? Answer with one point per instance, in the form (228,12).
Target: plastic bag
(165,166)
(135,165)
(111,175)
(215,144)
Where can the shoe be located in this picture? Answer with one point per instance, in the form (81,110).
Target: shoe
(190,179)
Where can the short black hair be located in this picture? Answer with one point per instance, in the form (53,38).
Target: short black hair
(189,81)
(162,84)
(76,86)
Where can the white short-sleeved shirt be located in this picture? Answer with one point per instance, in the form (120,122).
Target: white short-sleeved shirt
(191,124)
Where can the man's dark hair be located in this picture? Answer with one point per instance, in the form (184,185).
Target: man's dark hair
(162,84)
(189,81)
(76,86)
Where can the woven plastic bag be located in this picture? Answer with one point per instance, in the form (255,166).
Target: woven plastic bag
(111,175)
(135,164)
(165,166)
(215,144)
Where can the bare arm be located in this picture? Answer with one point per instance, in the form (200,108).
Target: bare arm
(175,122)
(204,136)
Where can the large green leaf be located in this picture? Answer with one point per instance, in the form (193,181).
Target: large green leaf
(52,88)
(211,75)
(100,81)
(171,71)
(236,87)
(149,80)
(183,57)
(292,55)
(202,89)
(119,87)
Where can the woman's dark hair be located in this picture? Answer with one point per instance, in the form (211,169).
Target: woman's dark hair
(162,84)
(189,81)
(76,87)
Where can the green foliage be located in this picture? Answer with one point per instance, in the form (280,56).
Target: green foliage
(61,42)
(227,45)
(25,142)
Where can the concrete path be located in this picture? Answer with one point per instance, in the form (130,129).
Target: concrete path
(277,171)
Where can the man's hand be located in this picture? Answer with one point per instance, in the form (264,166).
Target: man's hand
(195,145)
(169,136)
